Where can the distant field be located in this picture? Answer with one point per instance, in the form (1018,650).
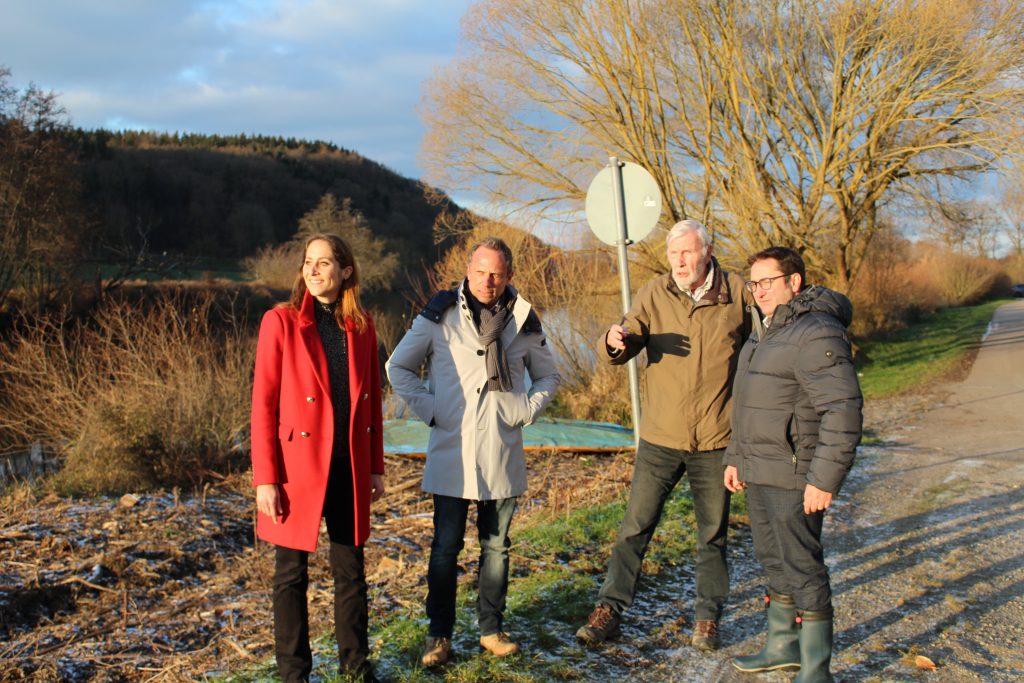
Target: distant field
(919,354)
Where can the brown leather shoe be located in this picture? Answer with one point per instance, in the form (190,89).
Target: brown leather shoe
(499,644)
(602,625)
(705,635)
(436,651)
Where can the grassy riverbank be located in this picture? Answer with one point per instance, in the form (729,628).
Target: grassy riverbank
(919,354)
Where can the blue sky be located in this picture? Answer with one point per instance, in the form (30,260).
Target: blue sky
(346,71)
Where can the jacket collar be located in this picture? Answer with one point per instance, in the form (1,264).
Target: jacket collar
(307,313)
(520,310)
(814,299)
(719,293)
(311,342)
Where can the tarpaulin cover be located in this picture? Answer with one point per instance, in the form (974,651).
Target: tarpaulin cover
(409,437)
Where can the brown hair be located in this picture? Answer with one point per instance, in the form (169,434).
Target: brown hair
(494,244)
(789,261)
(350,306)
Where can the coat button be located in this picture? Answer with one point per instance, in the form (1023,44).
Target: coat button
(306,434)
(366,396)
(310,399)
(369,429)
(479,352)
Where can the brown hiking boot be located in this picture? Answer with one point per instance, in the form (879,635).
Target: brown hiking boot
(705,635)
(602,625)
(436,651)
(499,644)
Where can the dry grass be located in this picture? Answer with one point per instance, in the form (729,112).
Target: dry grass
(604,399)
(175,587)
(138,395)
(902,282)
(275,266)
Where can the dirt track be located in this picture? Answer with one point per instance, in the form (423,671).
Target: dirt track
(926,544)
(931,553)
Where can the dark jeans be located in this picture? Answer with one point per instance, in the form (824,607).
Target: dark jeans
(493,520)
(655,474)
(291,580)
(787,543)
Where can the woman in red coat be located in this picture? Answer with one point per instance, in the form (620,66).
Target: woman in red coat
(317,450)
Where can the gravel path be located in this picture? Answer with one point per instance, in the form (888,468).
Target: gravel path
(925,545)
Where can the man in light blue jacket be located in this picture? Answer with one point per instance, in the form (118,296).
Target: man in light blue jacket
(479,341)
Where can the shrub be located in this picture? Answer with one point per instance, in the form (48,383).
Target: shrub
(1013,265)
(275,266)
(377,265)
(902,282)
(961,280)
(137,396)
(604,399)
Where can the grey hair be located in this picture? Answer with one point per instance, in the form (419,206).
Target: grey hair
(686,227)
(496,244)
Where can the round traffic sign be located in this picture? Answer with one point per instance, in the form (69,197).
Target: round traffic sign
(641,197)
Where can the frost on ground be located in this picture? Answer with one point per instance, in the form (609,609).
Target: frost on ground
(926,543)
(172,587)
(926,548)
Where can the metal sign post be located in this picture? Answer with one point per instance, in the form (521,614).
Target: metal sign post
(636,199)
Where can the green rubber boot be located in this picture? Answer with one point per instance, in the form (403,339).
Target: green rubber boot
(782,650)
(815,647)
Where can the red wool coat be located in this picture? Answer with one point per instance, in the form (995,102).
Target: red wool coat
(293,423)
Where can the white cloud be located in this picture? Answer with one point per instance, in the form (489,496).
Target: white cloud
(347,71)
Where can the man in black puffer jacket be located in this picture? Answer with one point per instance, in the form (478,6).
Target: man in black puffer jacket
(796,423)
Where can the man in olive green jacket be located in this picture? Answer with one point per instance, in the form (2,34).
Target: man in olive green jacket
(692,322)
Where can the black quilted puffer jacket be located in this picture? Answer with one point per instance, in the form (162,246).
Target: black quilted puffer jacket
(797,405)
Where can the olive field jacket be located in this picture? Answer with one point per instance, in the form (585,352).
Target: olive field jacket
(692,351)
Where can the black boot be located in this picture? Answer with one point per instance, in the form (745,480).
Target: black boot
(781,651)
(815,647)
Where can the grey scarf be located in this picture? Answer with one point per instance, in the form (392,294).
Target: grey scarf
(491,326)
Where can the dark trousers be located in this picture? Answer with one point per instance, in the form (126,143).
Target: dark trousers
(787,543)
(494,517)
(291,580)
(655,475)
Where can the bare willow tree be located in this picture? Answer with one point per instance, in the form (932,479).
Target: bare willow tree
(965,226)
(544,92)
(40,221)
(789,122)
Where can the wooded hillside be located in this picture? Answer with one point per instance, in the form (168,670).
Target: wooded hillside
(227,196)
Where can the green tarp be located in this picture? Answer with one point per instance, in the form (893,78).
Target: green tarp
(409,437)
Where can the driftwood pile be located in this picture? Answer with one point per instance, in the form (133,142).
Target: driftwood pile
(166,586)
